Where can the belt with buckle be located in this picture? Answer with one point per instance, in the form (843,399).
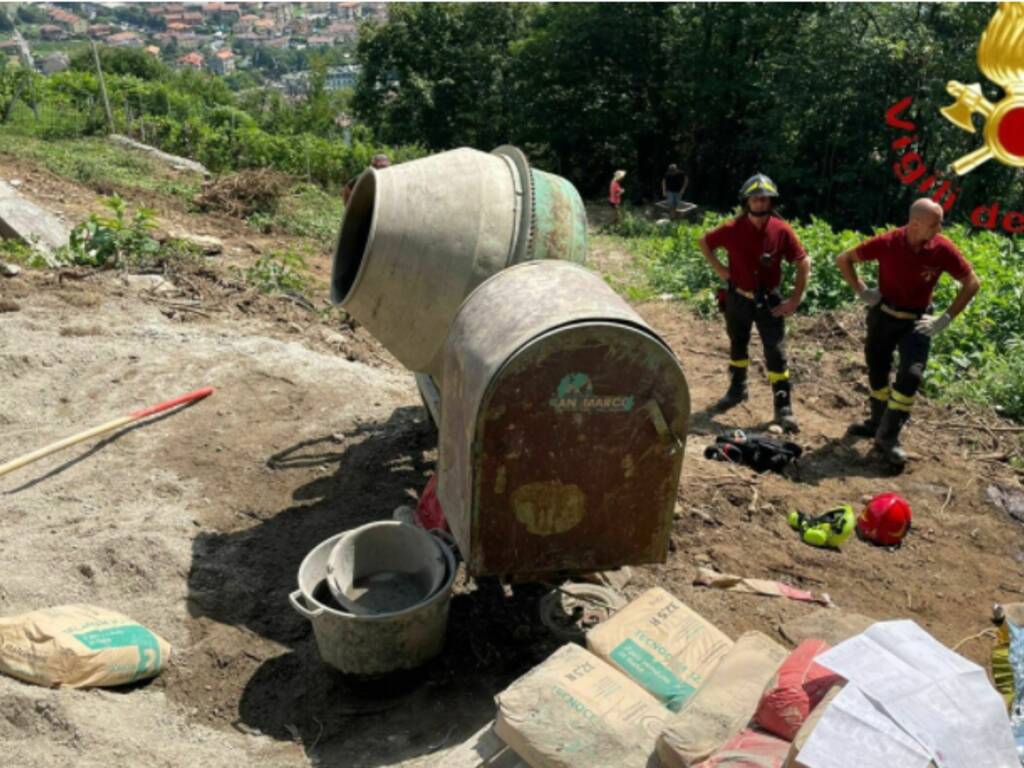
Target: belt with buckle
(745,294)
(899,314)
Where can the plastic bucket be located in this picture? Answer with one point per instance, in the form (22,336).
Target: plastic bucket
(384,567)
(377,644)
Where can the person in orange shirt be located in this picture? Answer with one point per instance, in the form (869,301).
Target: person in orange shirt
(615,193)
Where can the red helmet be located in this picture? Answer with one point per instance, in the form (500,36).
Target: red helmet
(885,520)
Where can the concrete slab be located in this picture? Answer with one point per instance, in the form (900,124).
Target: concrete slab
(23,220)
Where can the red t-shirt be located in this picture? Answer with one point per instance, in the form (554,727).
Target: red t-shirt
(746,244)
(907,278)
(615,193)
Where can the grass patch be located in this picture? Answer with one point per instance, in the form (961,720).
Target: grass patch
(279,272)
(101,165)
(307,211)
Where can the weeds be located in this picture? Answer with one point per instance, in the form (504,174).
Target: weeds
(108,240)
(307,211)
(16,252)
(278,272)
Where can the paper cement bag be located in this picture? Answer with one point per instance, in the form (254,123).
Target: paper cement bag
(576,711)
(807,728)
(663,645)
(796,690)
(78,646)
(724,705)
(749,749)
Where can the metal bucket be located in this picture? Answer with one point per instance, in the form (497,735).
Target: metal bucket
(417,237)
(384,567)
(563,427)
(376,644)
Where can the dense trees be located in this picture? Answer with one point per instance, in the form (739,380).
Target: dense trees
(797,91)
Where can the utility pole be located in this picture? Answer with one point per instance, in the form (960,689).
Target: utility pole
(103,87)
(25,55)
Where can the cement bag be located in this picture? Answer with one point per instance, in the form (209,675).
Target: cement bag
(79,646)
(663,645)
(798,687)
(807,728)
(576,711)
(749,749)
(725,703)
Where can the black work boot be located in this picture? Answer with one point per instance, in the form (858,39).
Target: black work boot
(784,417)
(869,427)
(737,391)
(887,439)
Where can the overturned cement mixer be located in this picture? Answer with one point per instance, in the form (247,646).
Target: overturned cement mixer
(564,415)
(418,237)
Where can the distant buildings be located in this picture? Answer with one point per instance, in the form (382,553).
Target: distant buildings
(124,40)
(222,62)
(214,32)
(193,59)
(54,62)
(68,20)
(297,83)
(52,32)
(344,76)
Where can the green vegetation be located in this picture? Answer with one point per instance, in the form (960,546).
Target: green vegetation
(101,165)
(118,239)
(978,358)
(278,272)
(194,114)
(307,211)
(112,240)
(798,91)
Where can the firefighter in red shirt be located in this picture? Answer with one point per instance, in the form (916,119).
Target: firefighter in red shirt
(757,242)
(910,261)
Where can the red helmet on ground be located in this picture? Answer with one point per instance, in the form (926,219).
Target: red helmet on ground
(885,520)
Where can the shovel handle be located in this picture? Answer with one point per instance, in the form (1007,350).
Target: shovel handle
(102,429)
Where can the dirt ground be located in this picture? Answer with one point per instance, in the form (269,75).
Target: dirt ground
(195,522)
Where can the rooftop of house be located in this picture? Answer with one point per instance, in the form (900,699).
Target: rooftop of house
(65,16)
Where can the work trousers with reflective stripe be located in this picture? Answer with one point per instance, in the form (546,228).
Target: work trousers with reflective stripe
(886,334)
(741,314)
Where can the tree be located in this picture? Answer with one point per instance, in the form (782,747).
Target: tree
(439,74)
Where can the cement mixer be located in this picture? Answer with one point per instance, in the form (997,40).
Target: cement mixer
(562,415)
(417,237)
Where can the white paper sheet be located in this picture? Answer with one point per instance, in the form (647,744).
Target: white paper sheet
(940,698)
(853,733)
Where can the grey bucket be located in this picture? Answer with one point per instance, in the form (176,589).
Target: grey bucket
(417,237)
(377,644)
(384,567)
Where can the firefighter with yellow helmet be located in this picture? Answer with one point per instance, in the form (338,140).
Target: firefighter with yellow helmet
(757,242)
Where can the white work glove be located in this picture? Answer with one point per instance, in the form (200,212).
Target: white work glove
(930,325)
(870,296)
